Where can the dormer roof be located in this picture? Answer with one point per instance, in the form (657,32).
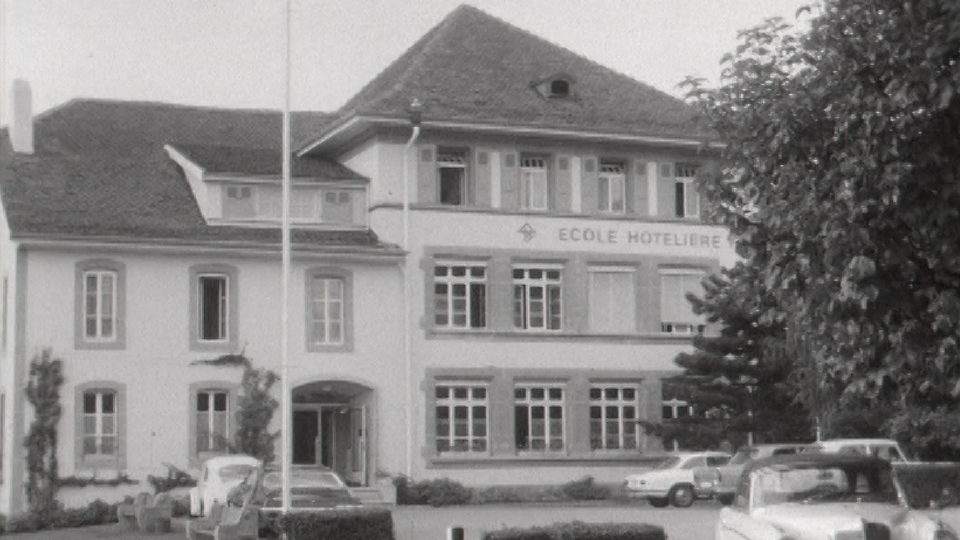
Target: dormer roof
(475,69)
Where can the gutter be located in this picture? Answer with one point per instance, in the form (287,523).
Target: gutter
(387,121)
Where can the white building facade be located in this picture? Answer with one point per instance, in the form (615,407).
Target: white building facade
(489,290)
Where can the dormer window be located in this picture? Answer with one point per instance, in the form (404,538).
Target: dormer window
(308,204)
(559,86)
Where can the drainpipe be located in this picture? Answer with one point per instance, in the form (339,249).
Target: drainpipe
(415,115)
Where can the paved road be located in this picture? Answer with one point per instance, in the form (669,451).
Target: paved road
(425,523)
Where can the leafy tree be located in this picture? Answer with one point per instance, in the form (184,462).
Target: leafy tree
(257,406)
(43,393)
(842,184)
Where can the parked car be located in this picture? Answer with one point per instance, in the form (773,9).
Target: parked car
(887,449)
(218,476)
(311,488)
(823,495)
(672,481)
(721,482)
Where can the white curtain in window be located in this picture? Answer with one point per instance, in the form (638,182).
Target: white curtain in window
(612,301)
(674,307)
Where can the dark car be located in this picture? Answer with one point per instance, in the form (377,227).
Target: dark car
(311,488)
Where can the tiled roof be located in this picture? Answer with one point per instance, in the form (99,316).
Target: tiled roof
(475,68)
(100,171)
(219,159)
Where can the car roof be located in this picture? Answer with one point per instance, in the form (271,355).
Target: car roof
(836,460)
(225,461)
(857,441)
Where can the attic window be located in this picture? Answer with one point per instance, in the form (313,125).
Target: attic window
(559,88)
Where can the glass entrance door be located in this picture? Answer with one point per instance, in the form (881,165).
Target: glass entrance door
(306,436)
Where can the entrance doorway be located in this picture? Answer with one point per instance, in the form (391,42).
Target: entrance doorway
(330,428)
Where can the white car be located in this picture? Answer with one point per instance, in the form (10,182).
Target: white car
(673,482)
(218,476)
(818,496)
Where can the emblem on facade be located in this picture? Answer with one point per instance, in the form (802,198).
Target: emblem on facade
(527,231)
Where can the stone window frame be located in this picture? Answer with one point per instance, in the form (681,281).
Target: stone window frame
(119,461)
(80,340)
(329,272)
(232,389)
(232,275)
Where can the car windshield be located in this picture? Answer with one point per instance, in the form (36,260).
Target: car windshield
(742,456)
(235,472)
(304,479)
(668,463)
(822,483)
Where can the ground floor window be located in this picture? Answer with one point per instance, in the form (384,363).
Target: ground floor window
(614,417)
(538,414)
(100,425)
(213,422)
(461,418)
(480,413)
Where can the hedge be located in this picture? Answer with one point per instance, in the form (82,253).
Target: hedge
(95,513)
(578,530)
(347,524)
(924,483)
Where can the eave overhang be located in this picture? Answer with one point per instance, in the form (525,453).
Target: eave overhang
(354,126)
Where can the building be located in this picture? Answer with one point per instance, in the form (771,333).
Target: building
(486,286)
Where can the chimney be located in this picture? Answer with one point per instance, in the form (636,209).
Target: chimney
(21,125)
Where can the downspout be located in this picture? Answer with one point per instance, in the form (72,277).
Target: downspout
(415,110)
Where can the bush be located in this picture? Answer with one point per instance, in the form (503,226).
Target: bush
(95,513)
(924,483)
(351,524)
(440,492)
(584,489)
(578,530)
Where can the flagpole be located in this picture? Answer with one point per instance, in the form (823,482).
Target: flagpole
(285,400)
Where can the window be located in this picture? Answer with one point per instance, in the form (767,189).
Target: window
(327,311)
(212,420)
(537,298)
(687,199)
(614,417)
(538,417)
(452,175)
(213,308)
(460,295)
(99,304)
(559,88)
(612,300)
(533,183)
(676,314)
(99,424)
(676,408)
(612,188)
(461,419)
(265,202)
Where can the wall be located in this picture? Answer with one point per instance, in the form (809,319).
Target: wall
(155,365)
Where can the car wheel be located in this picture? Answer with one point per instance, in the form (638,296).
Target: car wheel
(725,500)
(659,503)
(682,495)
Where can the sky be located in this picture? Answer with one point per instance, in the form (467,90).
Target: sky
(230,53)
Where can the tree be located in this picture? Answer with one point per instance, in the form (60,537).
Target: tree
(740,382)
(842,183)
(43,393)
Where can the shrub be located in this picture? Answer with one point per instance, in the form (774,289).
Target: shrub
(579,530)
(584,489)
(439,492)
(351,524)
(924,483)
(95,513)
